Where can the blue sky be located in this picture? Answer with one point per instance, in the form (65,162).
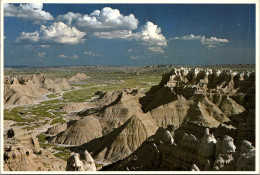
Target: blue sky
(128,34)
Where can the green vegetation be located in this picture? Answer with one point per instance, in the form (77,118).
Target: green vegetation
(28,128)
(63,155)
(17,114)
(87,92)
(59,148)
(57,120)
(98,165)
(41,138)
(46,145)
(52,95)
(59,113)
(51,101)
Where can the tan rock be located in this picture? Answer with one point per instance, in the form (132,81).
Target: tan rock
(81,162)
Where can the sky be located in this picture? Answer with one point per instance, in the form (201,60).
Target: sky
(38,35)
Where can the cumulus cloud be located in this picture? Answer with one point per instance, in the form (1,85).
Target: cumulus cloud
(187,37)
(109,23)
(211,42)
(106,20)
(106,23)
(27,12)
(41,54)
(150,34)
(57,33)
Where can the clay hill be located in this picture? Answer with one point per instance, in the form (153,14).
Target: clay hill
(23,90)
(187,102)
(111,128)
(78,77)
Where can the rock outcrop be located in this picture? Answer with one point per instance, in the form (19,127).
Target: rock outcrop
(79,132)
(122,141)
(205,154)
(25,154)
(24,90)
(81,162)
(78,77)
(58,128)
(209,96)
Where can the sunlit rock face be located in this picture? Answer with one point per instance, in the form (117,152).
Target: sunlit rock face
(205,154)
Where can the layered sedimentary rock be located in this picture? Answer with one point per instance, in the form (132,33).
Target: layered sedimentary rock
(23,153)
(78,77)
(208,115)
(58,128)
(189,154)
(210,94)
(79,132)
(75,107)
(123,140)
(218,99)
(81,162)
(23,90)
(188,100)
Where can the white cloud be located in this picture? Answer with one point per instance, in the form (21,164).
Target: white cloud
(191,37)
(211,46)
(74,56)
(106,20)
(117,34)
(187,37)
(28,12)
(92,54)
(211,42)
(106,23)
(57,33)
(156,49)
(109,23)
(41,54)
(63,56)
(135,57)
(44,46)
(130,50)
(151,35)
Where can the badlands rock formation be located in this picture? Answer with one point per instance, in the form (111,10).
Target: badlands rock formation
(23,90)
(111,128)
(78,77)
(194,119)
(23,153)
(81,162)
(201,108)
(190,154)
(79,132)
